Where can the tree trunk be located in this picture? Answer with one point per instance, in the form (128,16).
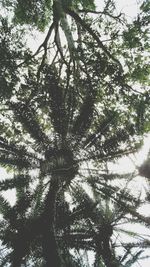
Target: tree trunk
(107,255)
(50,249)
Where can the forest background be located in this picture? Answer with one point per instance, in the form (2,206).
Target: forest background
(69,110)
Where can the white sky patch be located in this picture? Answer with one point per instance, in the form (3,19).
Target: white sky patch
(130,163)
(10,195)
(129,7)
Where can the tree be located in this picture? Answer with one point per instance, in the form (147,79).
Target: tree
(61,113)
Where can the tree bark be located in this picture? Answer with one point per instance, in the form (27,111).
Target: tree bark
(107,254)
(50,248)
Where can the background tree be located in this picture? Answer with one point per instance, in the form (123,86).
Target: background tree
(65,111)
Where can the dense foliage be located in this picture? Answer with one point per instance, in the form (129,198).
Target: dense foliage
(78,102)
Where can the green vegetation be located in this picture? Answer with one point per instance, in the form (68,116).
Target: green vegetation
(80,101)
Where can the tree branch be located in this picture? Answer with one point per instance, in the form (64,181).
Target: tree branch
(85,26)
(44,45)
(99,12)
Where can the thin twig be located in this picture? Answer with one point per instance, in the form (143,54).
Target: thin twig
(99,12)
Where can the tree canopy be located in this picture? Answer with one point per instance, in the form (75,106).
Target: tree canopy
(79,101)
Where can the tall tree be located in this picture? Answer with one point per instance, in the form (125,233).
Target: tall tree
(61,112)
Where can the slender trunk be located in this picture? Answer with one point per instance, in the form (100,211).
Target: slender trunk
(104,250)
(107,255)
(16,262)
(50,249)
(18,254)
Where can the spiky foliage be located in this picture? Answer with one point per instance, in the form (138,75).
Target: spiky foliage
(61,113)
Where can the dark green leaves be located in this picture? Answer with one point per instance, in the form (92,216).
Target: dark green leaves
(67,110)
